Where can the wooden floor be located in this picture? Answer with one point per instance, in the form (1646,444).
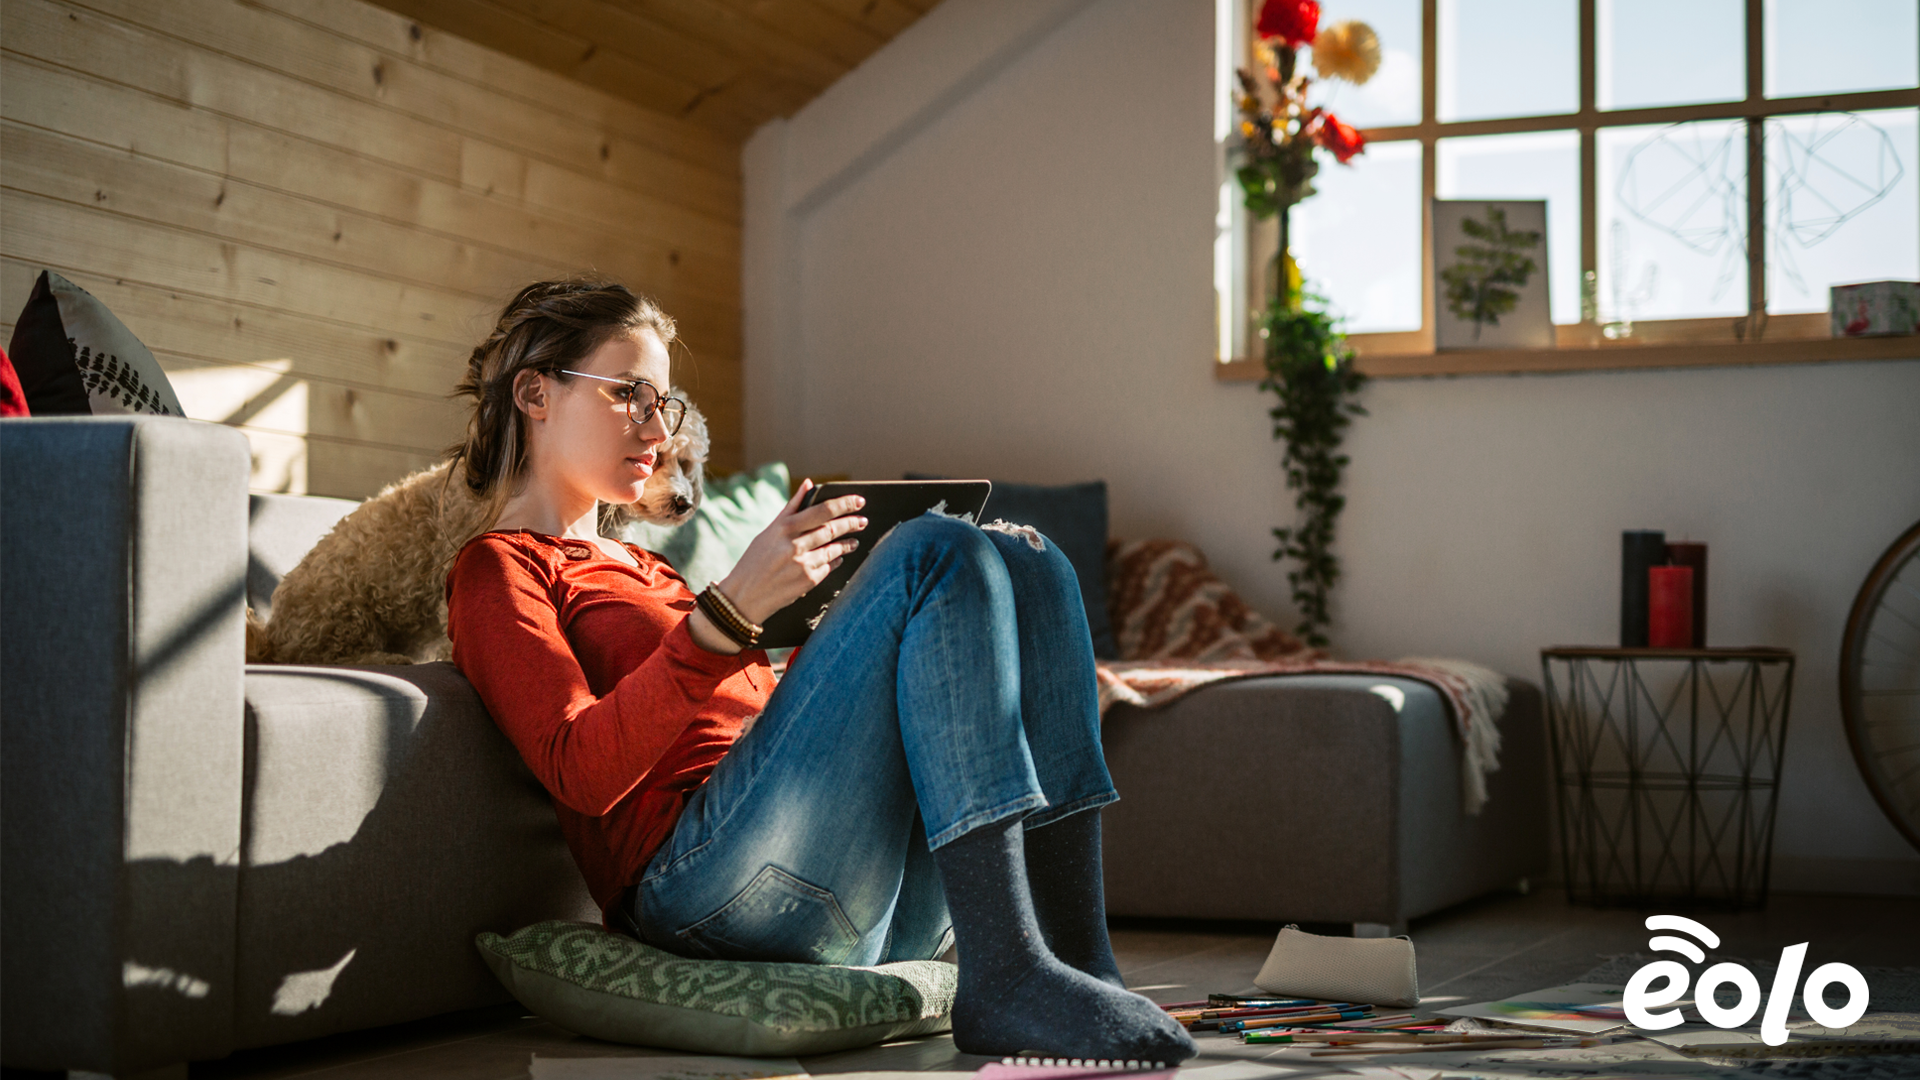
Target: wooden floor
(1487,949)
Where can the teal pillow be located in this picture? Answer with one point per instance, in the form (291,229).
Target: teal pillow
(611,987)
(732,512)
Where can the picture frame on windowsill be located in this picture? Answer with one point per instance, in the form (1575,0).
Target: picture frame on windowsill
(1490,274)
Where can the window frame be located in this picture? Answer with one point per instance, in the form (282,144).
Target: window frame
(1756,338)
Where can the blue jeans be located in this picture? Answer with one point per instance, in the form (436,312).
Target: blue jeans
(951,686)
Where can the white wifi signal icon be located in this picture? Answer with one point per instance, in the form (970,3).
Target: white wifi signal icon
(1773,1026)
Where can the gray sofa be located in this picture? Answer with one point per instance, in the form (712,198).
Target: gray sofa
(202,856)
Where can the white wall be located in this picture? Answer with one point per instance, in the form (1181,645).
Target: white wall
(987,252)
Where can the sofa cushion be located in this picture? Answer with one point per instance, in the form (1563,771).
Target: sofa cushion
(1074,517)
(612,987)
(281,529)
(732,512)
(74,358)
(387,822)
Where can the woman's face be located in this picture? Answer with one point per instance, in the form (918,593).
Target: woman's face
(585,441)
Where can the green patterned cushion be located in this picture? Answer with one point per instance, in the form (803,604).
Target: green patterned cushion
(612,987)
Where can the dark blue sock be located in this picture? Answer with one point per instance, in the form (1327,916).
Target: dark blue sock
(1069,897)
(1014,994)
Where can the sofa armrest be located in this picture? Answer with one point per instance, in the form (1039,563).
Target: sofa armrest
(123,567)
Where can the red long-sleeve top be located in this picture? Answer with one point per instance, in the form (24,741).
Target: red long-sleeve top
(587,666)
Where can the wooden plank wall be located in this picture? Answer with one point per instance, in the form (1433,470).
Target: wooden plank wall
(312,209)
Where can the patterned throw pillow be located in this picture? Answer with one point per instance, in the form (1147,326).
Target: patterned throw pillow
(611,987)
(1168,604)
(74,358)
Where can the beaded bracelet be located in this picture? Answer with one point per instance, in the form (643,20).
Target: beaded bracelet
(737,627)
(733,612)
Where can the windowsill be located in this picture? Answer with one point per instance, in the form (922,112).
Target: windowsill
(1790,339)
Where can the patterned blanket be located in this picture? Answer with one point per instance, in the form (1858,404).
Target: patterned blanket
(1180,628)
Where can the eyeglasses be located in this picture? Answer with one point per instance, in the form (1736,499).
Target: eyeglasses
(642,401)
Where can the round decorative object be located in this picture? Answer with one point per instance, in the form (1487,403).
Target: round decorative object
(1880,683)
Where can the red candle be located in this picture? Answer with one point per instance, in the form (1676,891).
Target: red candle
(1669,607)
(1694,556)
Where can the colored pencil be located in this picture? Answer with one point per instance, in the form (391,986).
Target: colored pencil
(1344,1037)
(1389,1019)
(1228,1001)
(1260,1009)
(1213,1019)
(1329,1030)
(1477,1044)
(1309,1034)
(1265,1006)
(1246,1014)
(1237,1013)
(1277,1021)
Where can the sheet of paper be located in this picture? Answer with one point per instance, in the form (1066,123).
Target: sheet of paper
(1588,1008)
(1873,1028)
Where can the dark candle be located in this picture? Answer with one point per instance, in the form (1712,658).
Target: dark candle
(1640,550)
(1670,607)
(1694,557)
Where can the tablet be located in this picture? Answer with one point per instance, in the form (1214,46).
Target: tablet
(889,502)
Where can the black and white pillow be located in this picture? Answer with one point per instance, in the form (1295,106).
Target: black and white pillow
(74,357)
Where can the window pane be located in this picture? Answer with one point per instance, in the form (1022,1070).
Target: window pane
(1392,96)
(1657,52)
(1508,58)
(1835,46)
(1673,211)
(1358,240)
(1843,204)
(1534,166)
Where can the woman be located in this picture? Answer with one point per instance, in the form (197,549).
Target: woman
(934,748)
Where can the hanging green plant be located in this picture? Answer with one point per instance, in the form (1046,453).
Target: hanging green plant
(1309,366)
(1310,369)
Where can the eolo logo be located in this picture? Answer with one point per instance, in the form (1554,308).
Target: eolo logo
(1773,1026)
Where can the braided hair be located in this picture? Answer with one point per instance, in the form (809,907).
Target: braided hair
(549,325)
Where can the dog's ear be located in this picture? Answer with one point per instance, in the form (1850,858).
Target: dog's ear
(694,430)
(693,458)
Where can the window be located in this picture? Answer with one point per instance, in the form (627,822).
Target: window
(1710,168)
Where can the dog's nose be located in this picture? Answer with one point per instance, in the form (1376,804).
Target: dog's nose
(682,504)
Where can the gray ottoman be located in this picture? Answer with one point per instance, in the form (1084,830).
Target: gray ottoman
(1316,798)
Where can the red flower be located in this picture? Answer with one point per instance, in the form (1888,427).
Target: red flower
(1292,21)
(1334,134)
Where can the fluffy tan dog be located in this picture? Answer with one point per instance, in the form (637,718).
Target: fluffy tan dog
(373,590)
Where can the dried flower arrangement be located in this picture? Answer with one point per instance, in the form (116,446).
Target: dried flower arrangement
(1309,365)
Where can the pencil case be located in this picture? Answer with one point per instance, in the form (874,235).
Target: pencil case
(1375,970)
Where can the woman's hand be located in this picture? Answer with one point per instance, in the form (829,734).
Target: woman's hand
(793,554)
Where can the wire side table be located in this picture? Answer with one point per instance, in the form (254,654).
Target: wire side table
(1667,763)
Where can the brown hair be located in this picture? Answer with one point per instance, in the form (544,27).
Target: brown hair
(547,326)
